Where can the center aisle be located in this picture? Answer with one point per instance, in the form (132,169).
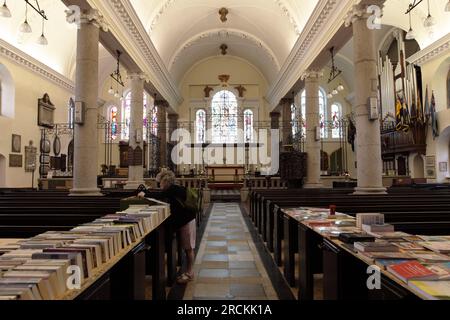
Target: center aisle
(228,266)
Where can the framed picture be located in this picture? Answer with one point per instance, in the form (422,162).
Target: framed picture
(430,161)
(16,144)
(430,173)
(15,161)
(30,158)
(443,167)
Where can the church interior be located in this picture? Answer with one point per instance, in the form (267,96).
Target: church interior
(311,141)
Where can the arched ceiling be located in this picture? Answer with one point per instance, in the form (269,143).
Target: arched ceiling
(61,50)
(394,15)
(186,31)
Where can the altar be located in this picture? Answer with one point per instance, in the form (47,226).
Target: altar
(233,174)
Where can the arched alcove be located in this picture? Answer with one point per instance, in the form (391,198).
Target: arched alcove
(419,167)
(2,171)
(7,93)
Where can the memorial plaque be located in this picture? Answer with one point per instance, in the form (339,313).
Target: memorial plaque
(15,161)
(30,158)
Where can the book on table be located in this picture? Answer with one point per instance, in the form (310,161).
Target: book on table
(429,256)
(380,246)
(355,237)
(369,218)
(378,227)
(408,246)
(432,290)
(436,246)
(412,270)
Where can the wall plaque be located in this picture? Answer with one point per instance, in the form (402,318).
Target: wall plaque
(16,144)
(15,161)
(45,112)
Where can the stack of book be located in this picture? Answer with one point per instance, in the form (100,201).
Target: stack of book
(37,268)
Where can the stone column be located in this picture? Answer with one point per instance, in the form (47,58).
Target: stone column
(312,143)
(368,142)
(287,122)
(85,168)
(136,142)
(162,132)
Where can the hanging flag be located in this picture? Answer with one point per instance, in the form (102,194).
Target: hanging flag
(420,117)
(402,116)
(427,107)
(434,120)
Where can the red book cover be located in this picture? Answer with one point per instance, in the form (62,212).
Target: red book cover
(412,270)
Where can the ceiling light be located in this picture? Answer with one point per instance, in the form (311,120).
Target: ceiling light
(340,87)
(4,11)
(335,92)
(25,27)
(111,90)
(117,95)
(42,40)
(329,96)
(410,35)
(447,6)
(429,21)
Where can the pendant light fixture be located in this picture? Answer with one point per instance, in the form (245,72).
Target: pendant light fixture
(42,40)
(410,35)
(4,11)
(25,26)
(117,77)
(429,21)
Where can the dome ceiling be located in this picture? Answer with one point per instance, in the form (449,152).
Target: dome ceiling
(186,31)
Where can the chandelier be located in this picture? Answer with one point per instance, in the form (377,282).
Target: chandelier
(117,77)
(428,23)
(25,26)
(334,73)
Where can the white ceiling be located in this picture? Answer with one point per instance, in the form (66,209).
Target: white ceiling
(61,51)
(394,15)
(186,31)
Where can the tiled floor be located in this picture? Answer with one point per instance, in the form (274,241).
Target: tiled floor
(228,266)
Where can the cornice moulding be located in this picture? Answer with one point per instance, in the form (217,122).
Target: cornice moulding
(129,31)
(325,21)
(21,58)
(433,51)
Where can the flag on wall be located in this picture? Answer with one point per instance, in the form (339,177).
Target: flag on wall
(433,115)
(420,117)
(427,107)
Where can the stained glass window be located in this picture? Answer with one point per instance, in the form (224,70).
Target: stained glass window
(154,121)
(127,114)
(113,122)
(200,121)
(224,117)
(248,125)
(336,115)
(322,112)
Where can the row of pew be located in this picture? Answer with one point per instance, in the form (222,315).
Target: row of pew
(413,210)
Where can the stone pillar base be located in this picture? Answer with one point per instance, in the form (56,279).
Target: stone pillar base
(133,185)
(360,191)
(85,192)
(312,186)
(206,196)
(244,194)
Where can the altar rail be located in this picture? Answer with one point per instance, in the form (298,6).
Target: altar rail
(265,183)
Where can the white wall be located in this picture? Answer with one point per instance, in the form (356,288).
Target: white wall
(29,87)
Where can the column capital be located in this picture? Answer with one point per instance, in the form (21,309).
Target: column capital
(161,103)
(136,76)
(312,75)
(363,11)
(286,101)
(90,16)
(173,116)
(275,114)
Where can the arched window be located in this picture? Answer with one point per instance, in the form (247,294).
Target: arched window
(154,121)
(294,120)
(336,116)
(224,117)
(112,118)
(126,116)
(322,112)
(248,125)
(448,89)
(200,126)
(7,93)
